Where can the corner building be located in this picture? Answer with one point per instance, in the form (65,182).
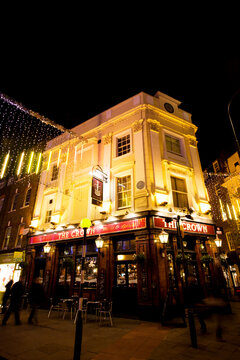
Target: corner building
(131,170)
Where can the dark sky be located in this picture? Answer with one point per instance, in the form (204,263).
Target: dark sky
(71,81)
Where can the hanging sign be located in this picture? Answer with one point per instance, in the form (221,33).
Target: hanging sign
(97,191)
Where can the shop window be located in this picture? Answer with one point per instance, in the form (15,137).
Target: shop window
(48,216)
(7,237)
(90,274)
(54,172)
(125,245)
(124,192)
(179,192)
(123,145)
(20,235)
(173,145)
(27,197)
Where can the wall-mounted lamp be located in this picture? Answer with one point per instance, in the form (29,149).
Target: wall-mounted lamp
(47,248)
(99,244)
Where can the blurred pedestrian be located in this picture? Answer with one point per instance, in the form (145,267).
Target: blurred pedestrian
(36,299)
(15,302)
(194,300)
(6,295)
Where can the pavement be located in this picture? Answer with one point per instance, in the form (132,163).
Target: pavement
(128,339)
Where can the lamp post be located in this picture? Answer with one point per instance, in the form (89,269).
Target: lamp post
(191,321)
(84,224)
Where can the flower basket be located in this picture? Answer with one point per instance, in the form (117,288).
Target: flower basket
(187,257)
(206,259)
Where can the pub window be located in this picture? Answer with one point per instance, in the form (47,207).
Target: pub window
(54,172)
(20,235)
(123,145)
(173,144)
(124,192)
(48,216)
(7,237)
(90,274)
(28,196)
(179,192)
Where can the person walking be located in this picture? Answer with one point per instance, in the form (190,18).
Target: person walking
(17,291)
(6,295)
(36,299)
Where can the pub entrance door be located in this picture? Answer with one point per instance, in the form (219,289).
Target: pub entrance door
(125,285)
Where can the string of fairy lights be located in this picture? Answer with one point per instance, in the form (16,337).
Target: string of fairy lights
(24,134)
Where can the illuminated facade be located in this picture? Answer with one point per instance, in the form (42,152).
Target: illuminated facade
(130,170)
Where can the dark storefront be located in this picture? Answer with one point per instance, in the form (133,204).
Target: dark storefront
(133,268)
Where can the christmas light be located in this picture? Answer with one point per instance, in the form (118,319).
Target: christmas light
(59,157)
(4,165)
(38,163)
(20,163)
(30,162)
(49,160)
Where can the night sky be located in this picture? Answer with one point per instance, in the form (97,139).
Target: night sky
(70,83)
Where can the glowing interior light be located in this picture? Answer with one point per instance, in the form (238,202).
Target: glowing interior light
(30,162)
(229,212)
(20,163)
(49,160)
(38,163)
(4,165)
(67,156)
(59,157)
(234,212)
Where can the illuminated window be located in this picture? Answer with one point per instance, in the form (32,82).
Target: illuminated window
(123,145)
(7,237)
(124,192)
(230,241)
(20,235)
(179,191)
(173,145)
(48,216)
(28,196)
(54,172)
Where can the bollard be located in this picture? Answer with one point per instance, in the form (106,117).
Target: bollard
(78,337)
(192,328)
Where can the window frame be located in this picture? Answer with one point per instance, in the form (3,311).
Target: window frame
(26,195)
(115,143)
(14,201)
(172,137)
(49,211)
(117,192)
(55,172)
(7,237)
(176,191)
(19,236)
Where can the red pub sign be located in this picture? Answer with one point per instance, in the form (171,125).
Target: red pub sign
(127,225)
(188,226)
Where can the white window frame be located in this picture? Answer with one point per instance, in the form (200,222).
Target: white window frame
(26,197)
(13,200)
(115,194)
(115,143)
(172,191)
(182,155)
(127,206)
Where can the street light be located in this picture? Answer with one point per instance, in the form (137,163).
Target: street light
(84,224)
(99,242)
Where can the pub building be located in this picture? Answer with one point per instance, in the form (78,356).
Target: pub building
(131,170)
